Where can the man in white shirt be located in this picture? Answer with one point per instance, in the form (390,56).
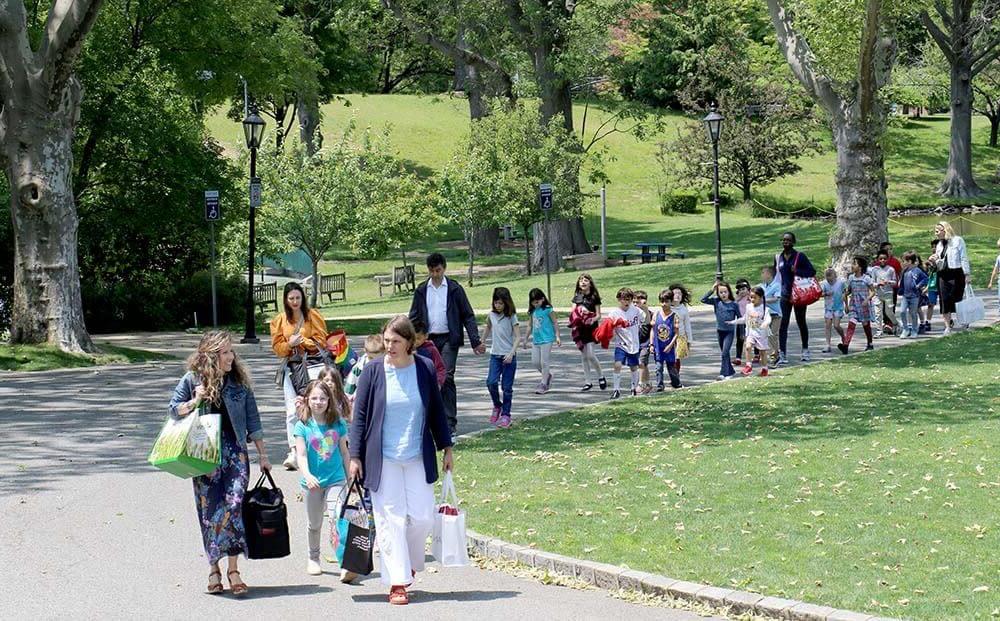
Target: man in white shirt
(444,308)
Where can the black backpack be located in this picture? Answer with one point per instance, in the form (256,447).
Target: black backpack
(265,518)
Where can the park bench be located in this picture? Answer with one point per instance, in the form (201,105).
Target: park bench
(266,294)
(647,257)
(584,261)
(333,284)
(402,278)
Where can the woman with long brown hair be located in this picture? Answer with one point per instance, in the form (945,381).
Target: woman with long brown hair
(298,329)
(218,380)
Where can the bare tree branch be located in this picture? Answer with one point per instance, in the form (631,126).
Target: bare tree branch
(68,23)
(942,40)
(515,15)
(801,59)
(15,51)
(468,55)
(942,11)
(989,53)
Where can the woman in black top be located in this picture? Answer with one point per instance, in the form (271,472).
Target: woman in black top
(789,264)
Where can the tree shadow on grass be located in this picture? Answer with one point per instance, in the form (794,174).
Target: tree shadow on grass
(895,386)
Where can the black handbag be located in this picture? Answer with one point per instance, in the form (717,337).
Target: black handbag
(359,543)
(265,519)
(305,368)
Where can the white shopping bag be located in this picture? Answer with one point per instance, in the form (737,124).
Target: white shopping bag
(448,543)
(970,309)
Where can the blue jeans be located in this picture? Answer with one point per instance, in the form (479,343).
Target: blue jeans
(908,313)
(501,375)
(675,375)
(725,344)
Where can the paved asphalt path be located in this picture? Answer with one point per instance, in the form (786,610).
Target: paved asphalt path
(89,530)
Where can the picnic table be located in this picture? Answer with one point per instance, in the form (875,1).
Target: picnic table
(646,253)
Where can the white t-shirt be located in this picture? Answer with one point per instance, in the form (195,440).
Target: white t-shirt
(628,337)
(437,307)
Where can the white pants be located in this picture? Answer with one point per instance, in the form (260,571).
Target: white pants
(291,416)
(540,355)
(404,517)
(318,501)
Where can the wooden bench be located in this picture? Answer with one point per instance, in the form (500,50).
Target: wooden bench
(333,284)
(266,294)
(402,278)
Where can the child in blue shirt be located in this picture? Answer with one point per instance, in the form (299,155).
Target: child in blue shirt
(912,284)
(772,299)
(544,332)
(321,446)
(833,306)
(726,309)
(663,341)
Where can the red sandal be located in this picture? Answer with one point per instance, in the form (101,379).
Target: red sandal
(398,595)
(239,589)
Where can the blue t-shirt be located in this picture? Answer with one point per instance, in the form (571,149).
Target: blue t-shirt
(772,290)
(542,330)
(403,426)
(724,311)
(323,450)
(833,295)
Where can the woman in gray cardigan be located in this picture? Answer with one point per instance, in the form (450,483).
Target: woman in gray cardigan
(399,421)
(218,380)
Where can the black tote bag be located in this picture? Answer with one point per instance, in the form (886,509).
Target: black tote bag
(265,518)
(360,540)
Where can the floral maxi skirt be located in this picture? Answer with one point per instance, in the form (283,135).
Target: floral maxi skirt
(219,500)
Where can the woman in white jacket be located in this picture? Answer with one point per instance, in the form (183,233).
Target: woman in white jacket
(952,263)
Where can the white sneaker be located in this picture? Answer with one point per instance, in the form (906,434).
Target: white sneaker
(313,568)
(806,356)
(947,330)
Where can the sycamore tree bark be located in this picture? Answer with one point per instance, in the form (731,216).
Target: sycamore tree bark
(40,100)
(540,30)
(858,121)
(969,47)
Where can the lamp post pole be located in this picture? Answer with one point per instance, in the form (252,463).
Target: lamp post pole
(250,333)
(713,123)
(253,127)
(715,200)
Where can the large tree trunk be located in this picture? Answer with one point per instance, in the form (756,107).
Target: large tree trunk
(38,152)
(485,241)
(565,237)
(958,181)
(862,211)
(309,120)
(994,126)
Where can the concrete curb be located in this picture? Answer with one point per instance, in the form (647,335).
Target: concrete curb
(611,577)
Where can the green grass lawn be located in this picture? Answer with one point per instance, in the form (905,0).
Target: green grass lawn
(869,483)
(45,358)
(426,130)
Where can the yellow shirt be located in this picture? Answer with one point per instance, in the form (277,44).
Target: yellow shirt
(313,333)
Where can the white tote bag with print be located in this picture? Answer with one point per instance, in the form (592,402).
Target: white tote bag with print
(448,544)
(971,309)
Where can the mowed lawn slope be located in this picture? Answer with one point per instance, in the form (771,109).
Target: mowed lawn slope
(869,483)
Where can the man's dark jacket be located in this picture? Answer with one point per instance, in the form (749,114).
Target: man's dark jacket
(460,313)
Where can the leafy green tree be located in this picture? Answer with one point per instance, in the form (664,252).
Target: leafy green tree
(766,130)
(470,196)
(987,102)
(970,41)
(843,53)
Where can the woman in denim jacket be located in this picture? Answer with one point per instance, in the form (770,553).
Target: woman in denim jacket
(220,383)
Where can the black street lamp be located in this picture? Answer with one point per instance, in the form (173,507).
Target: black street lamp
(253,129)
(713,123)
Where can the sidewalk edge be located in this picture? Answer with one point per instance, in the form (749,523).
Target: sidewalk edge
(611,577)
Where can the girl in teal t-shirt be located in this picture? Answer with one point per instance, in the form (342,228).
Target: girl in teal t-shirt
(544,332)
(321,446)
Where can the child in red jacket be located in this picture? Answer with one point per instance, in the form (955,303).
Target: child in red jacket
(426,348)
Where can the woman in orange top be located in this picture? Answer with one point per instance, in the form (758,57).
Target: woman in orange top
(298,328)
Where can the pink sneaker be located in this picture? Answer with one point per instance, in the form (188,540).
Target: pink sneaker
(504,422)
(495,416)
(747,370)
(763,372)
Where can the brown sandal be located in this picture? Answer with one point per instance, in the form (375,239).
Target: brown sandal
(398,596)
(237,589)
(214,588)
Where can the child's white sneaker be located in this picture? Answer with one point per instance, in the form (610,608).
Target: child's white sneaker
(313,568)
